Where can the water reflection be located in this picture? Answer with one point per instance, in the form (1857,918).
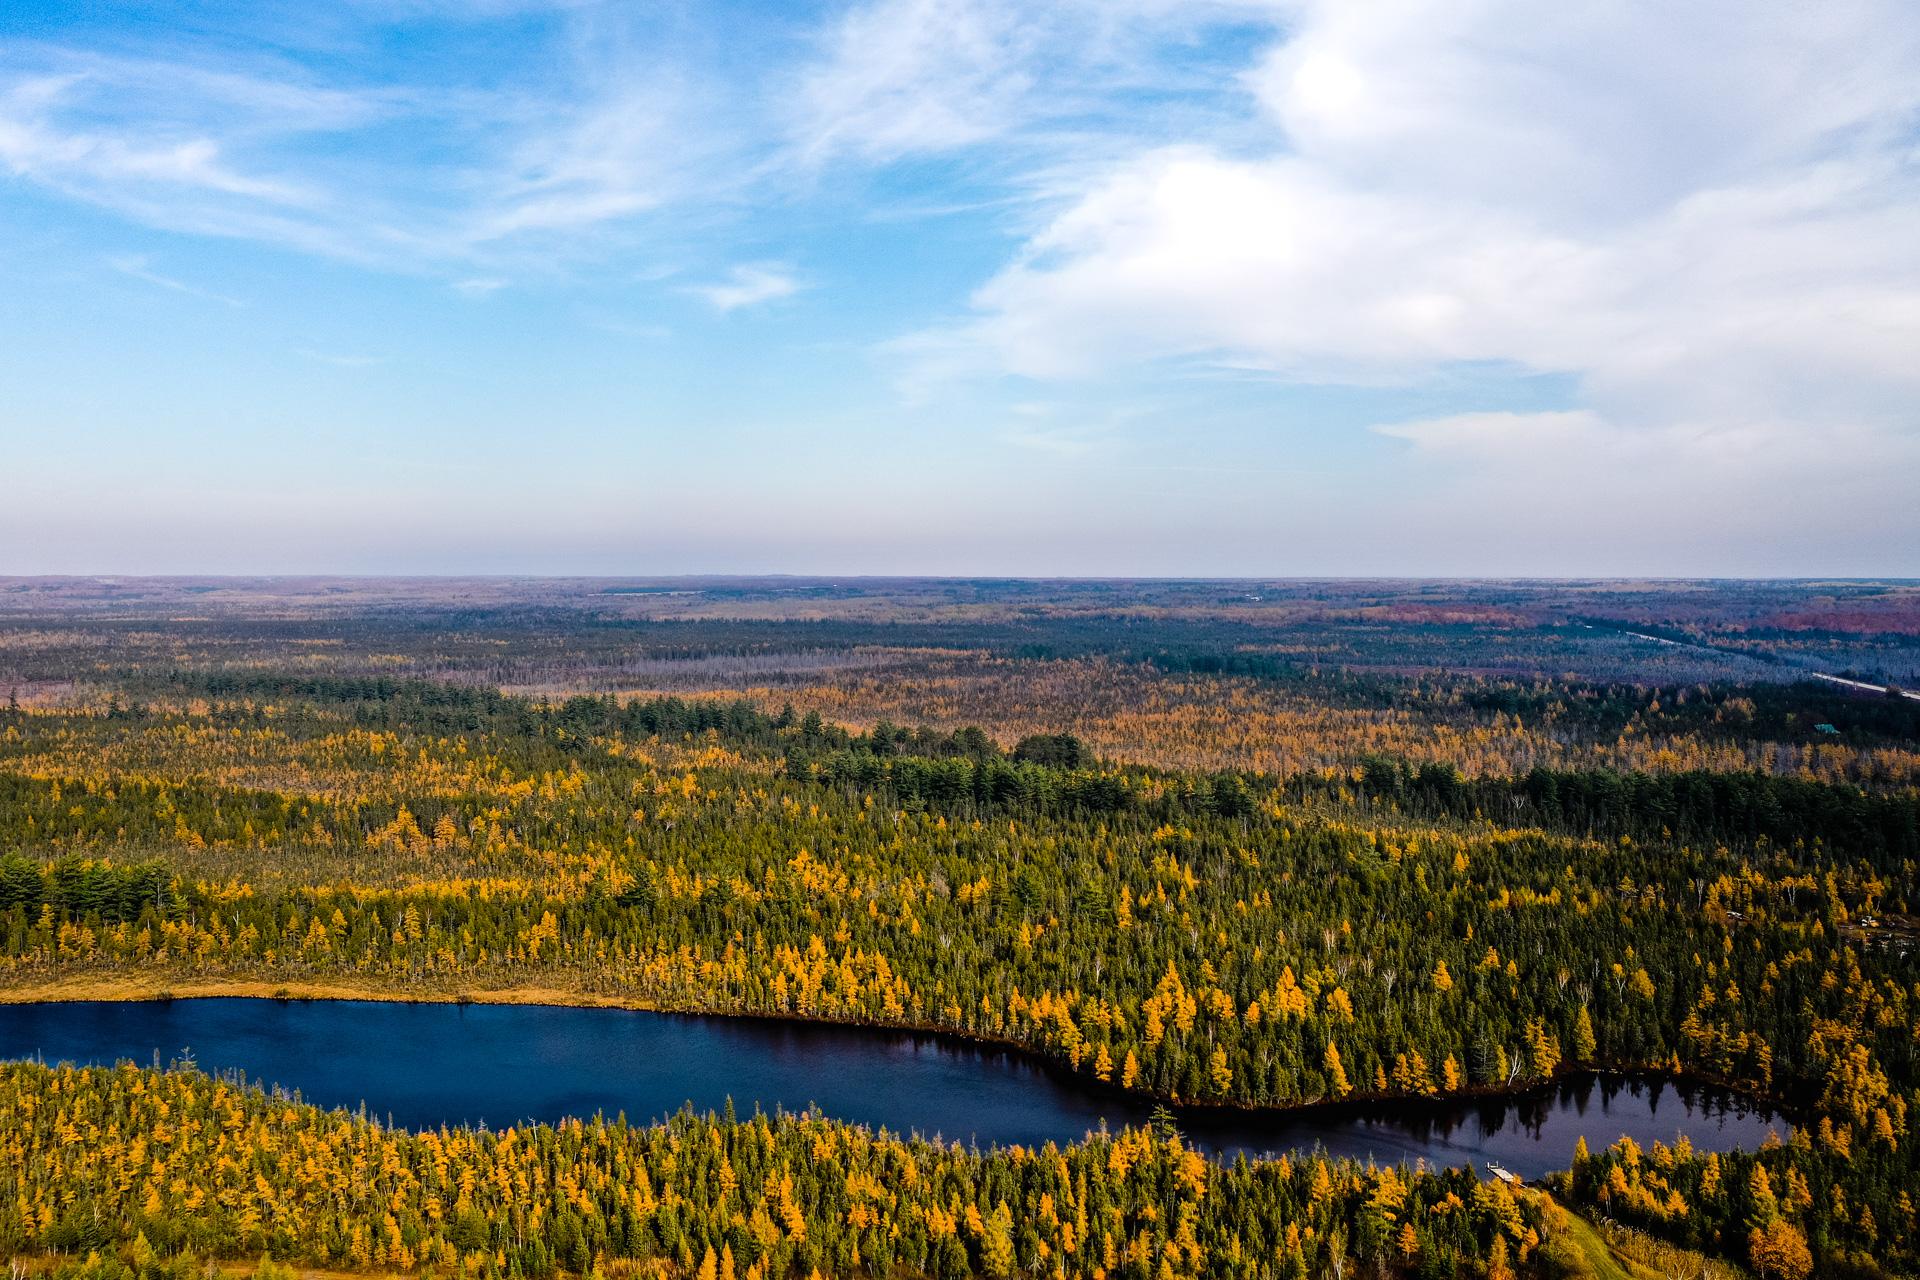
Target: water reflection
(425,1065)
(1528,1133)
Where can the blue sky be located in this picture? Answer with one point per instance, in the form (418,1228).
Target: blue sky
(961,286)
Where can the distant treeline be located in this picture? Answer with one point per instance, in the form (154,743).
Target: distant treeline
(428,706)
(1768,711)
(1054,773)
(993,782)
(1691,807)
(966,771)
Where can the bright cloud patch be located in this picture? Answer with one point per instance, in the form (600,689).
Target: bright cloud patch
(748,285)
(1705,213)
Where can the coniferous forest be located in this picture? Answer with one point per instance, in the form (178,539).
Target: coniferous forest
(1211,845)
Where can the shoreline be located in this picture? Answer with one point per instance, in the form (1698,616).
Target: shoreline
(135,990)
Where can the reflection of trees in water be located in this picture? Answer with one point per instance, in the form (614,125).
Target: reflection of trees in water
(1552,1116)
(1531,1113)
(1479,1119)
(1535,1129)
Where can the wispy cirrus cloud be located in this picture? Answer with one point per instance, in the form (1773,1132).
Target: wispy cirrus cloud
(588,132)
(749,284)
(478,288)
(184,148)
(600,122)
(1062,85)
(906,76)
(40,141)
(139,267)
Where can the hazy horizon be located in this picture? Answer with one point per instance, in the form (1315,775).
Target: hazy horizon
(829,577)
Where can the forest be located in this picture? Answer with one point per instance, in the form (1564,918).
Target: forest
(174,1164)
(1046,819)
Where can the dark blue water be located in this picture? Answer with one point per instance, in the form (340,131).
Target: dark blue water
(430,1064)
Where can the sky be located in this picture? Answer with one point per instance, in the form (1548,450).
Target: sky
(1076,287)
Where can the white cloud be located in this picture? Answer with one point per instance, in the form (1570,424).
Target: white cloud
(184,148)
(1703,213)
(621,144)
(1491,435)
(1050,84)
(748,285)
(1806,277)
(903,76)
(94,160)
(1588,114)
(136,265)
(582,134)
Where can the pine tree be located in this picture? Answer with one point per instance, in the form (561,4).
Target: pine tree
(1336,1073)
(1583,1042)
